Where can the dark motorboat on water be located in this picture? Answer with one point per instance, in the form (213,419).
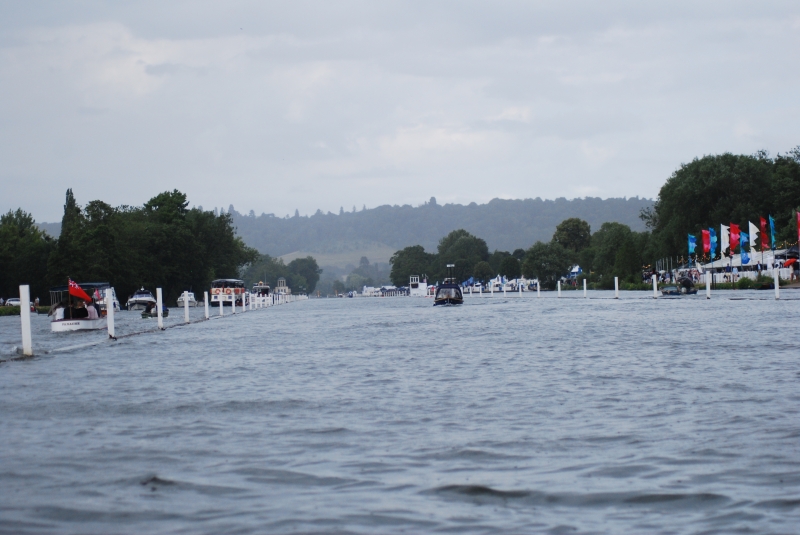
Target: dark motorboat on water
(685,286)
(152,311)
(448,293)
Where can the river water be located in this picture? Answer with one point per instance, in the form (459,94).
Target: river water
(392,416)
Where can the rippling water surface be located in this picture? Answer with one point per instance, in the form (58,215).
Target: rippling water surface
(387,415)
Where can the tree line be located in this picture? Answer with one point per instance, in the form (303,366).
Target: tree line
(613,251)
(160,244)
(703,193)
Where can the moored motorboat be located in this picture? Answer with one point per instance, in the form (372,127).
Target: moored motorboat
(192,300)
(140,300)
(153,313)
(685,286)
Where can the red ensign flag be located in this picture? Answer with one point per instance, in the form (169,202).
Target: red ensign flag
(77,291)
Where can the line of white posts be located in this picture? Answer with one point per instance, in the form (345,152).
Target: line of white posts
(254,302)
(775,274)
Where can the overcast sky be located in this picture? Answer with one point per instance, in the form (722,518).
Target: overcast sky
(277,106)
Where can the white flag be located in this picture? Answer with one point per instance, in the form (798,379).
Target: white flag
(753,232)
(724,239)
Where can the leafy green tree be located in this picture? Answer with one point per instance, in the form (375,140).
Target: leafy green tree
(510,268)
(496,259)
(483,271)
(519,254)
(307,268)
(24,250)
(409,261)
(722,189)
(66,259)
(547,262)
(573,234)
(461,249)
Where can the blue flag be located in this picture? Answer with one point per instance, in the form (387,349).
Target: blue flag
(772,231)
(743,238)
(692,244)
(713,243)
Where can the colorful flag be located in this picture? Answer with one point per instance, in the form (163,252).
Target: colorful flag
(692,244)
(763,235)
(707,240)
(772,231)
(77,291)
(753,238)
(742,243)
(712,249)
(724,239)
(734,237)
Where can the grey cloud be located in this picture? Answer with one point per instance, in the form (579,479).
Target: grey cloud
(320,105)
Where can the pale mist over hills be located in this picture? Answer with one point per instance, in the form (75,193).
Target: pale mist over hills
(341,239)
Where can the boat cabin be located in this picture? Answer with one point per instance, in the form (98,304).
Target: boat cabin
(229,290)
(260,289)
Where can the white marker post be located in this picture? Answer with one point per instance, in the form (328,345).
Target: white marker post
(221,311)
(708,284)
(205,303)
(110,313)
(538,288)
(584,289)
(158,306)
(616,287)
(777,283)
(244,302)
(559,288)
(519,285)
(186,306)
(233,302)
(655,286)
(25,316)
(504,290)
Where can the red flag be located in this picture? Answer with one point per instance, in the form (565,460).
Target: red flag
(764,235)
(734,236)
(707,241)
(77,291)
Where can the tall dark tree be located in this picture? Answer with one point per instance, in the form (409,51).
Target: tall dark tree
(24,250)
(547,262)
(308,269)
(461,249)
(573,234)
(510,268)
(66,260)
(407,262)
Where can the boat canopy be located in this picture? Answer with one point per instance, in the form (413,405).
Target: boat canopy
(59,293)
(227,283)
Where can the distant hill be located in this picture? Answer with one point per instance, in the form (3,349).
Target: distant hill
(505,225)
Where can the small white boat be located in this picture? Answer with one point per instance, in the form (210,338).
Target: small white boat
(140,299)
(83,324)
(75,314)
(192,300)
